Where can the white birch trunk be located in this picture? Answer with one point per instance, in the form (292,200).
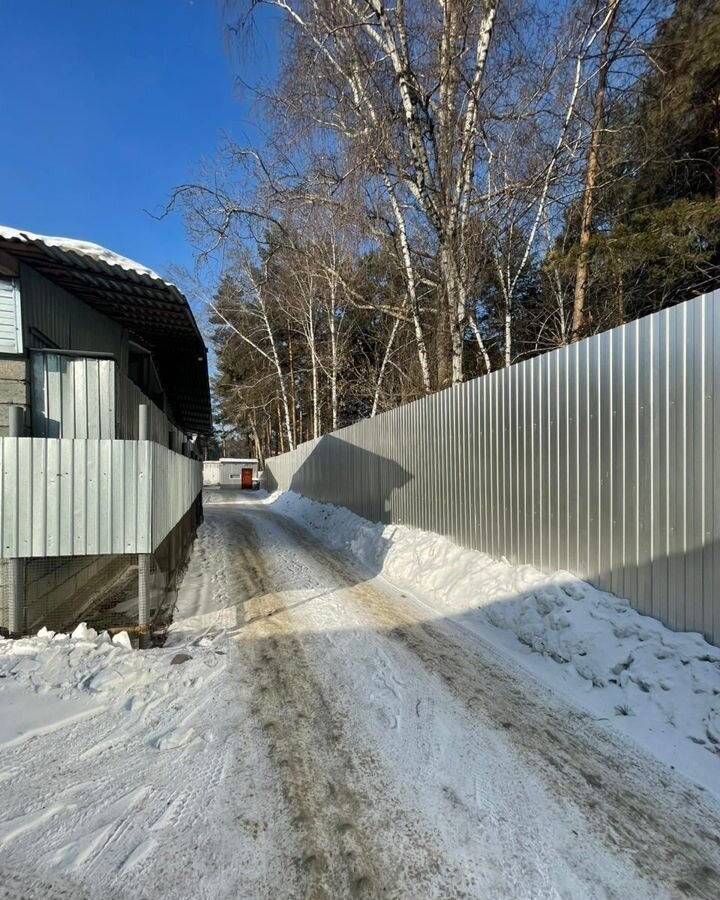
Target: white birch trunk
(383,367)
(411,285)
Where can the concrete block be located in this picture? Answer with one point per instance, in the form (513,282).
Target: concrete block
(13,392)
(13,369)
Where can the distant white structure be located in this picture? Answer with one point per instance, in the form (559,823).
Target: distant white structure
(231,473)
(211,472)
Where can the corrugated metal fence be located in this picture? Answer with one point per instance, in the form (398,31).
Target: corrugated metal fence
(72,396)
(602,458)
(78,396)
(76,497)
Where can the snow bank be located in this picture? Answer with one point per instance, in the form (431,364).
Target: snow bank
(91,671)
(660,688)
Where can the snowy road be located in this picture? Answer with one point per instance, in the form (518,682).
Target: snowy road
(414,763)
(355,746)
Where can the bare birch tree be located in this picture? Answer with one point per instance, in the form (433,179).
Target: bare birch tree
(362,60)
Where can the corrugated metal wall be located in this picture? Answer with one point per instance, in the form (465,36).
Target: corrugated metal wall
(176,483)
(129,398)
(72,397)
(53,317)
(75,497)
(86,397)
(602,458)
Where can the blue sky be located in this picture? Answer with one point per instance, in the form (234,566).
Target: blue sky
(107,106)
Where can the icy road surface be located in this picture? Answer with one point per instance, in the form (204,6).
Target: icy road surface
(350,746)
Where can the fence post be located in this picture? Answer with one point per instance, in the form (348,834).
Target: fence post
(144,559)
(16,567)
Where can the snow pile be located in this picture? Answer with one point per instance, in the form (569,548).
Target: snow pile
(107,671)
(660,687)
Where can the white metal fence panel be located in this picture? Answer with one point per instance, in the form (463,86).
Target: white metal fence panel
(77,497)
(211,472)
(72,396)
(75,396)
(176,483)
(129,400)
(602,458)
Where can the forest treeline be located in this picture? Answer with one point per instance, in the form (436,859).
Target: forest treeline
(446,187)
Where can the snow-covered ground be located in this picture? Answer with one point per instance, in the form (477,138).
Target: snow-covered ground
(347,722)
(659,687)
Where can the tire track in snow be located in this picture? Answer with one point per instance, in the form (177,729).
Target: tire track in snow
(335,814)
(627,800)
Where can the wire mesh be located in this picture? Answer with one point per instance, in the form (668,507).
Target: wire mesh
(62,591)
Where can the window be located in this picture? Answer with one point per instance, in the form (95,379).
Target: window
(10,321)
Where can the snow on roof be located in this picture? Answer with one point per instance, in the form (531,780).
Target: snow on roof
(83,248)
(138,299)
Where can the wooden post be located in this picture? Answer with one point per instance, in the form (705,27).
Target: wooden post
(16,567)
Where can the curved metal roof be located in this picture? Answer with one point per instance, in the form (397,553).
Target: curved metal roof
(132,295)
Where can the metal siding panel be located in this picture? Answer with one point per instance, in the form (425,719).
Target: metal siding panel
(548,464)
(54,376)
(527,464)
(599,467)
(661,466)
(92,509)
(605,435)
(711,582)
(92,393)
(10,497)
(572,458)
(510,438)
(537,462)
(501,464)
(53,506)
(25,496)
(83,426)
(526,505)
(470,474)
(67,494)
(432,516)
(645,463)
(78,525)
(553,492)
(561,463)
(454,471)
(67,400)
(512,466)
(498,480)
(106,497)
(678,468)
(613,474)
(445,454)
(483,462)
(119,497)
(695,497)
(39,510)
(630,466)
